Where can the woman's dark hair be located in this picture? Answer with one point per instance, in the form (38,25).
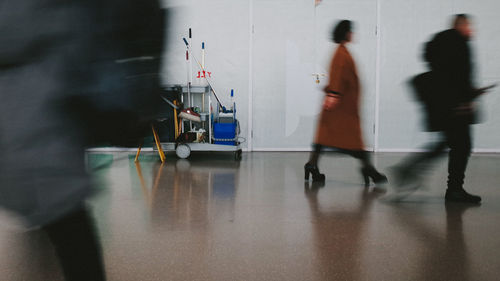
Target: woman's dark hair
(341,30)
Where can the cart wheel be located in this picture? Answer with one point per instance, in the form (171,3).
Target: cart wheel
(183,151)
(237,155)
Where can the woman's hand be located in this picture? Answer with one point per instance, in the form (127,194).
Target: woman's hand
(331,101)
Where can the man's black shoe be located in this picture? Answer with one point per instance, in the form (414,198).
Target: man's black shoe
(460,195)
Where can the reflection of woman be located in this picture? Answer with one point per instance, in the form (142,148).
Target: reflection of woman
(339,124)
(339,235)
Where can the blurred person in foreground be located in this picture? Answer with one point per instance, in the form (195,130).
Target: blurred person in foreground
(448,96)
(339,123)
(62,64)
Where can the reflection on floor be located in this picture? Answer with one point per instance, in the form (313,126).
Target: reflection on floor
(211,218)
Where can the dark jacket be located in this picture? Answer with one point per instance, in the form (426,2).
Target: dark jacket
(449,83)
(59,59)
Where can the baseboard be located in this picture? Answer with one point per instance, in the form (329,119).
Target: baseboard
(292,149)
(117,149)
(275,149)
(412,150)
(400,150)
(281,149)
(485,150)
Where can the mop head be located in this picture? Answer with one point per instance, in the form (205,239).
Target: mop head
(189,114)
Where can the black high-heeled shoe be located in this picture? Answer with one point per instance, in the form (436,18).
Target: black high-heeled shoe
(371,173)
(313,169)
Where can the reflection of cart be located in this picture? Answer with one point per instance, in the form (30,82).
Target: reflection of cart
(213,130)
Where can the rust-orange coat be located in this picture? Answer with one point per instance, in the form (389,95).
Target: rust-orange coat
(340,127)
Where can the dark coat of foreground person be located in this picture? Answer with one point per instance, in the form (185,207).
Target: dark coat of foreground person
(72,74)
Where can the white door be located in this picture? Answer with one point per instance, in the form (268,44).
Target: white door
(291,43)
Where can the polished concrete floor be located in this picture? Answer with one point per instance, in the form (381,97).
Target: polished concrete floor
(211,218)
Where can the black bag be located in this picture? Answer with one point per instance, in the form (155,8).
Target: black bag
(434,106)
(423,87)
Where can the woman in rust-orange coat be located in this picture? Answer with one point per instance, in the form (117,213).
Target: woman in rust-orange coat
(339,122)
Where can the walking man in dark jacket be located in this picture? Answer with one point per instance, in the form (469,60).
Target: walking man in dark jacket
(448,95)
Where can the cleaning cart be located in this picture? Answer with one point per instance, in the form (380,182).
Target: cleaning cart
(217,128)
(201,122)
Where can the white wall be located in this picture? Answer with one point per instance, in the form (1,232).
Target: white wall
(224,26)
(267,50)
